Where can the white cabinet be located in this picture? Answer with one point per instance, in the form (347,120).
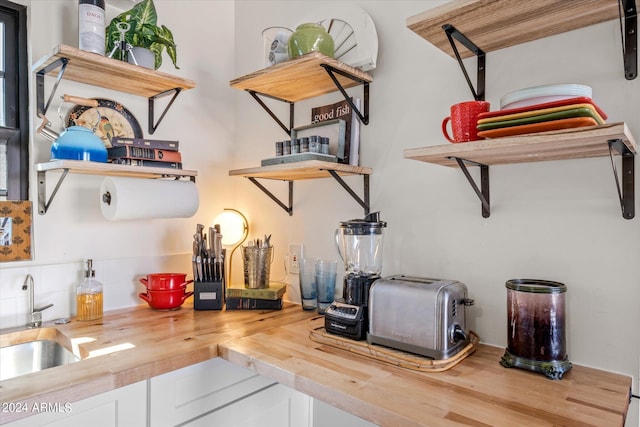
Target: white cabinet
(275,406)
(188,393)
(125,406)
(325,415)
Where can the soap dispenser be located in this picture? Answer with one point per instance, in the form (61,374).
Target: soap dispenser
(89,296)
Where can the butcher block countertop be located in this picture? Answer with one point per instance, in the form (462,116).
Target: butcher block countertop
(134,344)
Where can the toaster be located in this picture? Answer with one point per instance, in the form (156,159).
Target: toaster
(419,315)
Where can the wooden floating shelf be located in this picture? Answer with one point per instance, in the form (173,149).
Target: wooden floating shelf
(97,70)
(496,24)
(310,169)
(575,143)
(300,78)
(98,168)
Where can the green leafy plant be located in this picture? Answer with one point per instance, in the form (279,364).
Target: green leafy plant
(143,32)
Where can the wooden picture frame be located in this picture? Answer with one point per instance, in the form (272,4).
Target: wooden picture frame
(16,219)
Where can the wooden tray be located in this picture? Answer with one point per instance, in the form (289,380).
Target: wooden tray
(388,355)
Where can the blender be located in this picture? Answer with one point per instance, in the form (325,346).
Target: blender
(359,243)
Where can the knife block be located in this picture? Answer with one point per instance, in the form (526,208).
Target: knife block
(208,295)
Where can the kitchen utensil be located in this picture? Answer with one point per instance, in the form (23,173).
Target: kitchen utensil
(165,300)
(165,281)
(536,327)
(433,320)
(464,119)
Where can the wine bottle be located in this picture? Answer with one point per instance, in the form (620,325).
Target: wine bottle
(91,26)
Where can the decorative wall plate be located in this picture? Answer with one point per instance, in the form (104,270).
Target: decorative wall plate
(113,120)
(359,49)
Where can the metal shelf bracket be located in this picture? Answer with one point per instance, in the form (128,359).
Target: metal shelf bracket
(289,208)
(255,96)
(43,203)
(40,105)
(483,192)
(624,184)
(629,33)
(364,115)
(453,33)
(152,100)
(364,203)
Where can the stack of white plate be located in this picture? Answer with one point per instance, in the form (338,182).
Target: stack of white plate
(540,94)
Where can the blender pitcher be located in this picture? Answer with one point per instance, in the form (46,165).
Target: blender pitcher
(359,244)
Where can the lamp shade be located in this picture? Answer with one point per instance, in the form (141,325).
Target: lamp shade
(233,226)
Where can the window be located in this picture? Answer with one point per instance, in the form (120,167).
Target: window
(14,96)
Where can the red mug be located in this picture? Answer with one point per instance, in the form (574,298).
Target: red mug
(464,121)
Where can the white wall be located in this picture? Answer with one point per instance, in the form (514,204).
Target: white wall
(555,220)
(73,229)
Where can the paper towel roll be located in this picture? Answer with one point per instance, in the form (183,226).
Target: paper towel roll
(141,198)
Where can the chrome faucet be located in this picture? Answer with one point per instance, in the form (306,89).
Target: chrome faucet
(35,313)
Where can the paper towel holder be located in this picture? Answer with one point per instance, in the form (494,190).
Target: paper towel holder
(106,197)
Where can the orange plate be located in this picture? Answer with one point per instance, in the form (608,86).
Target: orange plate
(574,122)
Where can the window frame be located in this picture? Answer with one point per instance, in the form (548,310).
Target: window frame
(17,102)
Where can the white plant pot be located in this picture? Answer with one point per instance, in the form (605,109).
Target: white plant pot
(144,57)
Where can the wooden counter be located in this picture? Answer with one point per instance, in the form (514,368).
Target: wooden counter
(276,344)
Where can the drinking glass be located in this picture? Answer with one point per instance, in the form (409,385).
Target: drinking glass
(325,283)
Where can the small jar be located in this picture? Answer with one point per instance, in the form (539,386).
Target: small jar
(304,144)
(286,147)
(279,146)
(295,146)
(309,38)
(314,144)
(324,145)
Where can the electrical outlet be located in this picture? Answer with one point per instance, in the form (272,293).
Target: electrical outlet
(294,255)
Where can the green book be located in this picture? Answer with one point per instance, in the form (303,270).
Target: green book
(273,292)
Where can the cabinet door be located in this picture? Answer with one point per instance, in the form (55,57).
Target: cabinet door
(187,393)
(325,415)
(125,406)
(275,406)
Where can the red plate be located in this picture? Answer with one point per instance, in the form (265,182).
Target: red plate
(578,100)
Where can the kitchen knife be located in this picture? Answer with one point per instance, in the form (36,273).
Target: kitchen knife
(199,266)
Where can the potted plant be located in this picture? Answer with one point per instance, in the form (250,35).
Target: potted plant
(143,32)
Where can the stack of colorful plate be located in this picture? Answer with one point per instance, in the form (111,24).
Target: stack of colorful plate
(566,113)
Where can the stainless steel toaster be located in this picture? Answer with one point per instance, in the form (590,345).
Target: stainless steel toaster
(419,315)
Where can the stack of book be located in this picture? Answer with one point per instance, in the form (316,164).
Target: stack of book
(145,152)
(256,299)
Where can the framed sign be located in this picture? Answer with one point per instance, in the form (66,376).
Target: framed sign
(15,230)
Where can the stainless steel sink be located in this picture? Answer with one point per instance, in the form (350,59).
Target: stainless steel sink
(36,354)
